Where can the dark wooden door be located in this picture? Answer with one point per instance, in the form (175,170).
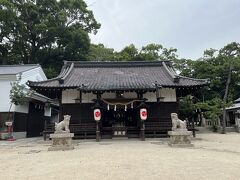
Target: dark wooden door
(35,122)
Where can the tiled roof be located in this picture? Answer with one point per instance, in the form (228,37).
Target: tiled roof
(237,100)
(91,76)
(15,69)
(234,106)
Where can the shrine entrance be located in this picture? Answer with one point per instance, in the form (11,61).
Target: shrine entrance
(120,123)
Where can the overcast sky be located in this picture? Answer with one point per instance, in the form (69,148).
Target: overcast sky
(191,26)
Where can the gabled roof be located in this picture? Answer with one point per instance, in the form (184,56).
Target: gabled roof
(16,69)
(97,76)
(237,100)
(236,105)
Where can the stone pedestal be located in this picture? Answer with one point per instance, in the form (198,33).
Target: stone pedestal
(61,141)
(203,124)
(180,138)
(237,123)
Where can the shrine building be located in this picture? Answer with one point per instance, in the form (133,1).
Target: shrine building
(118,99)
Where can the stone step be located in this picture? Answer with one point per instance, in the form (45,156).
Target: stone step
(204,129)
(231,129)
(119,138)
(209,129)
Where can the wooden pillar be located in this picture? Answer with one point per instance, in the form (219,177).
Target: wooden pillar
(193,126)
(60,114)
(97,132)
(44,134)
(142,131)
(139,94)
(80,96)
(227,119)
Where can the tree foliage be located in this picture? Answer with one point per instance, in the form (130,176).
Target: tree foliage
(18,93)
(38,31)
(217,66)
(211,107)
(98,52)
(186,107)
(150,52)
(214,65)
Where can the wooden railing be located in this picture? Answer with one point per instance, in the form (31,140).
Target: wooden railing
(85,130)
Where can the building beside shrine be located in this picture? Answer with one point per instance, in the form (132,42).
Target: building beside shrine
(233,115)
(28,118)
(119,90)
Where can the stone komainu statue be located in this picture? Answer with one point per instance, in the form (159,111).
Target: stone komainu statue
(177,123)
(63,126)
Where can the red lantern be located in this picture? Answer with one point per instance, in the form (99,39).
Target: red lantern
(97,114)
(143,114)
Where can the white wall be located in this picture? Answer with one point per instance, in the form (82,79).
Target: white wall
(130,95)
(69,96)
(108,95)
(21,108)
(47,111)
(35,74)
(169,95)
(88,97)
(5,88)
(150,96)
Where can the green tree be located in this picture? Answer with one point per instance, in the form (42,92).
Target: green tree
(98,52)
(153,52)
(128,53)
(231,56)
(212,110)
(150,52)
(186,107)
(30,28)
(222,67)
(214,65)
(19,94)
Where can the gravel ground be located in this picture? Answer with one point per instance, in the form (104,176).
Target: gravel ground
(214,156)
